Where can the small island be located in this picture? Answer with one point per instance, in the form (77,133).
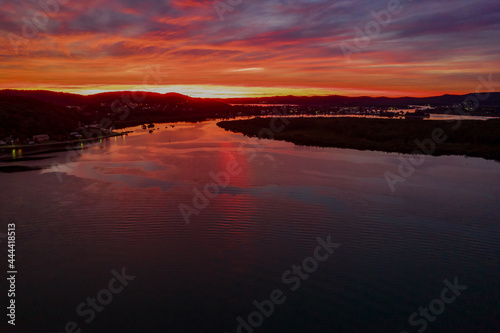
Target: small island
(473,138)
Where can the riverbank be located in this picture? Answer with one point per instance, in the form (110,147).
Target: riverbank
(55,146)
(473,138)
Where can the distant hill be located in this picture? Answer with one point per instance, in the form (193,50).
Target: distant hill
(24,117)
(337,100)
(66,99)
(22,110)
(25,112)
(57,98)
(134,108)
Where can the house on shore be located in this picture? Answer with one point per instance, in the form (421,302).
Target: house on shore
(41,138)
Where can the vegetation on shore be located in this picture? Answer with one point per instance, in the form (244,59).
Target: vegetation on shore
(473,138)
(24,117)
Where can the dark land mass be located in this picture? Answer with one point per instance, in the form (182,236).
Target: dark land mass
(122,97)
(113,101)
(67,99)
(23,117)
(24,113)
(57,98)
(123,108)
(126,108)
(17,168)
(473,138)
(337,100)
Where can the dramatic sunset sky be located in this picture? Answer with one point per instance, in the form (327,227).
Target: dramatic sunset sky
(250,47)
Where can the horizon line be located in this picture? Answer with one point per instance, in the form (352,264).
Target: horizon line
(94,93)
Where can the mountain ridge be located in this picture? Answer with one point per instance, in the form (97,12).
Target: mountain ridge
(71,99)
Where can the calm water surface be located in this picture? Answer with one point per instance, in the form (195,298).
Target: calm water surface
(116,204)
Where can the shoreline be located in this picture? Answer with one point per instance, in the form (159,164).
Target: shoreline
(472,138)
(55,146)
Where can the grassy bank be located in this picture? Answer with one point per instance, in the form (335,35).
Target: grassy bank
(474,138)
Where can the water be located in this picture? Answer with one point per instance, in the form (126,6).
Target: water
(116,205)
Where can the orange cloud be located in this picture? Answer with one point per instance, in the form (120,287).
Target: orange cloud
(278,47)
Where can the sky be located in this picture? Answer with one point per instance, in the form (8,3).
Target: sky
(236,48)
